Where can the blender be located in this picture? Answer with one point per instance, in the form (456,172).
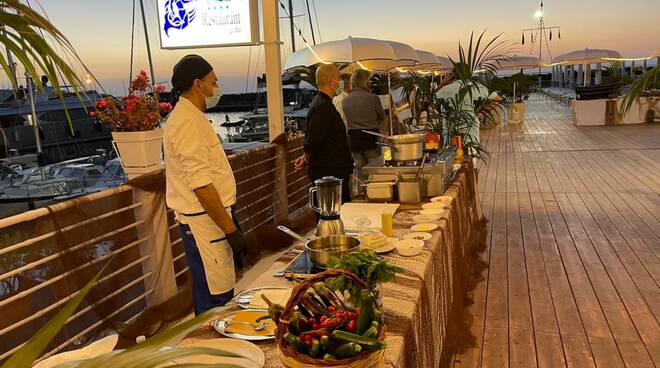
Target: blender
(328,198)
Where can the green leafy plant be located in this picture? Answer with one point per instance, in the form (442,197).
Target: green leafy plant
(417,90)
(367,265)
(615,76)
(151,353)
(648,81)
(32,40)
(379,83)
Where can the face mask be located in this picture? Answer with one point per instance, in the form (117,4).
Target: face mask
(212,101)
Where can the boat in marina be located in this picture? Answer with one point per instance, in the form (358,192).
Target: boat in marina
(59,141)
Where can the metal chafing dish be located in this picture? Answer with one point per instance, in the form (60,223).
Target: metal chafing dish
(435,176)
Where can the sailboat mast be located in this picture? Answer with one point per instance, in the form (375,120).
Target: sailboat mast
(311,25)
(291,24)
(146,36)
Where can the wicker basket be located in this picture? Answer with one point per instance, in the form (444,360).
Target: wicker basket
(294,359)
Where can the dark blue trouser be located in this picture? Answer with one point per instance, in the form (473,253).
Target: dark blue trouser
(203,300)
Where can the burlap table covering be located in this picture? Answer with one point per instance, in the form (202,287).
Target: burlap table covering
(423,305)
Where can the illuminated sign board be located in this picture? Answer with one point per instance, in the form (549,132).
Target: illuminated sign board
(185,24)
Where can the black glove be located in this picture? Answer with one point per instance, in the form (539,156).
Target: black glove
(238,243)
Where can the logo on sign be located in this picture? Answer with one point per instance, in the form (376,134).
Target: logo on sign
(177,16)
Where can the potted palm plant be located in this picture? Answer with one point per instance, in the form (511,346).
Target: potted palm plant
(134,120)
(644,91)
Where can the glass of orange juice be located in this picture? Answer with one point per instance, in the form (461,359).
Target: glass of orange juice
(386,221)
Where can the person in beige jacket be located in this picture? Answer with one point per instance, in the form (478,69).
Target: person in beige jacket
(201,188)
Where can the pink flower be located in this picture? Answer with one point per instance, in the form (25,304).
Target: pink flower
(165,106)
(159,88)
(131,106)
(142,75)
(92,114)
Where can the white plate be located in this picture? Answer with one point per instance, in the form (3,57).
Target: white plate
(97,348)
(420,219)
(441,199)
(255,357)
(409,247)
(418,235)
(387,247)
(435,205)
(424,227)
(221,327)
(433,211)
(244,298)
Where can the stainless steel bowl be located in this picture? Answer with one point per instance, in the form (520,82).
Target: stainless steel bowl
(321,249)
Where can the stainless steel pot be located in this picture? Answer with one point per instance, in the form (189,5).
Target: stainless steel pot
(322,248)
(405,147)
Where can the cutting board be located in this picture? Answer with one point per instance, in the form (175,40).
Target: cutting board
(372,211)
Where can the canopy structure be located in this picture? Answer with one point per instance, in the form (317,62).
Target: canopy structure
(431,63)
(520,62)
(586,56)
(377,54)
(404,55)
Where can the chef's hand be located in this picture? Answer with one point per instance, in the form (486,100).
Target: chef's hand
(300,163)
(238,243)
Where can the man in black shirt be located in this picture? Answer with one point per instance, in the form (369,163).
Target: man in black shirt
(326,145)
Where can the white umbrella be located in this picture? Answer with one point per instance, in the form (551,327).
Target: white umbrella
(519,62)
(655,53)
(586,56)
(378,53)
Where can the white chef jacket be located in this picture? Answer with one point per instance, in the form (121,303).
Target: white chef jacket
(337,101)
(194,158)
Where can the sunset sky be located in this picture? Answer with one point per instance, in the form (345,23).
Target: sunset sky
(101,30)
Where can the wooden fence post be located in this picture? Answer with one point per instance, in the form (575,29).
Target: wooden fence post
(280,197)
(157,245)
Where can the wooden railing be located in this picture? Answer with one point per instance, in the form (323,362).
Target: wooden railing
(48,254)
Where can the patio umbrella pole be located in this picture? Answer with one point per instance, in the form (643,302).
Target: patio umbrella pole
(389,93)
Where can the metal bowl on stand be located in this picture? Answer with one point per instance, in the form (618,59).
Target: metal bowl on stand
(322,248)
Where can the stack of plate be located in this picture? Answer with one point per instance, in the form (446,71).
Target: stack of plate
(376,241)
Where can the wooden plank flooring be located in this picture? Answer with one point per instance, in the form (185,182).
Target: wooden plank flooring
(573,245)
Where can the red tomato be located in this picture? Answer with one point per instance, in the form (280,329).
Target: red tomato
(357,311)
(316,326)
(323,318)
(352,326)
(312,321)
(340,314)
(331,309)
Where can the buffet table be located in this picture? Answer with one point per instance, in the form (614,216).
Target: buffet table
(423,305)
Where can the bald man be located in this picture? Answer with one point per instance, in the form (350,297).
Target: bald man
(326,145)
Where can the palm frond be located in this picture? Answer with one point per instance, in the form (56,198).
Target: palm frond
(647,81)
(29,36)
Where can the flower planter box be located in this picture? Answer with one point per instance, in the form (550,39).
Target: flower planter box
(516,113)
(638,110)
(140,152)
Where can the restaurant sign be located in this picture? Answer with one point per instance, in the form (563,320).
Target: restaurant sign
(207,23)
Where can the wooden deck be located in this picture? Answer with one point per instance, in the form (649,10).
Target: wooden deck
(573,276)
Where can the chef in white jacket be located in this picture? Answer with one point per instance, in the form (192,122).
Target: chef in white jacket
(200,185)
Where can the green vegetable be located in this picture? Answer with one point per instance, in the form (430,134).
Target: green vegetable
(315,349)
(366,312)
(325,343)
(378,316)
(329,356)
(298,322)
(372,332)
(347,350)
(345,336)
(366,265)
(295,342)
